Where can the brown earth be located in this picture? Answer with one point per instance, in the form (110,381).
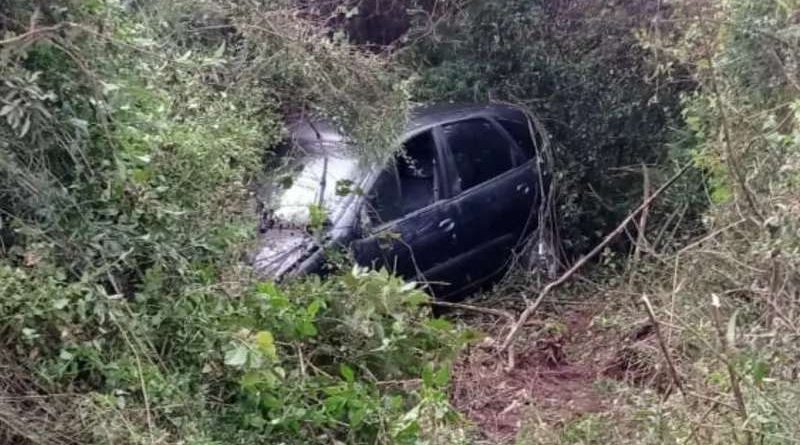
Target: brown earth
(556,373)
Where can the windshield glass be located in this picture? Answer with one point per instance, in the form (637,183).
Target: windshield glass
(314,181)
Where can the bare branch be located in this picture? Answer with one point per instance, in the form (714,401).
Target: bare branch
(663,344)
(467,307)
(32,33)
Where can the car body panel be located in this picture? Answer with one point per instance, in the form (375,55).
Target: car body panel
(410,246)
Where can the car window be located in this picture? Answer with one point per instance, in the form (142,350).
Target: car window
(383,203)
(480,152)
(407,184)
(521,134)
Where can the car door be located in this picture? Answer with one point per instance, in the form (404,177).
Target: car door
(408,227)
(494,191)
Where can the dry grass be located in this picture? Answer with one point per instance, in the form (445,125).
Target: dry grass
(29,414)
(591,369)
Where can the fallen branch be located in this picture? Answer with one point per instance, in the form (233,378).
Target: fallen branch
(33,32)
(710,236)
(467,307)
(663,344)
(580,263)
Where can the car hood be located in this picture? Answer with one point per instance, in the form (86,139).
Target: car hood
(281,251)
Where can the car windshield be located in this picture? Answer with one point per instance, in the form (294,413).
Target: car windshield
(316,182)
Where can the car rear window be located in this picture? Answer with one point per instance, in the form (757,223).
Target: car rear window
(480,152)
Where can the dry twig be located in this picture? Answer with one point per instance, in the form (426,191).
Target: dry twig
(483,310)
(662,344)
(33,32)
(736,388)
(640,238)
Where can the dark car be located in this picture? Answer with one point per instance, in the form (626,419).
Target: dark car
(448,210)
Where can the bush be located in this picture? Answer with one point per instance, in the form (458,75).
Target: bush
(327,360)
(130,140)
(730,296)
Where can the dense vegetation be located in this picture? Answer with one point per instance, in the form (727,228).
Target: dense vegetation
(133,134)
(130,138)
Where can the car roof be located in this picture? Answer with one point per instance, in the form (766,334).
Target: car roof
(315,135)
(422,118)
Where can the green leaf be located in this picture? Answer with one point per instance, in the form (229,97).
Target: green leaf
(416,298)
(344,187)
(442,377)
(440,324)
(314,308)
(759,370)
(65,355)
(25,127)
(266,344)
(220,51)
(268,288)
(427,376)
(347,373)
(236,357)
(255,380)
(356,416)
(184,57)
(6,109)
(306,328)
(317,217)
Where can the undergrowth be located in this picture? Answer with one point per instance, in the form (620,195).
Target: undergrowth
(131,134)
(725,300)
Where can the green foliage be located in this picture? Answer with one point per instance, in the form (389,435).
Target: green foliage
(318,359)
(342,340)
(726,301)
(131,135)
(358,91)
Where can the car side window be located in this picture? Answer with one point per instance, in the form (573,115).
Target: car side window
(407,184)
(480,152)
(521,133)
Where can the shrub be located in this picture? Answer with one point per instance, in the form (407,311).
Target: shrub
(130,138)
(731,294)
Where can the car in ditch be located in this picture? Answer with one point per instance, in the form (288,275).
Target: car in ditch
(448,210)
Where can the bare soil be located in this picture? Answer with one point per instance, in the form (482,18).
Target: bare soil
(556,375)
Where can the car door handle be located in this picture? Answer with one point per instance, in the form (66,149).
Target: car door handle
(524,188)
(447,224)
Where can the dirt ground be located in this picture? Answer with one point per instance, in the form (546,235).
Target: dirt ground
(561,362)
